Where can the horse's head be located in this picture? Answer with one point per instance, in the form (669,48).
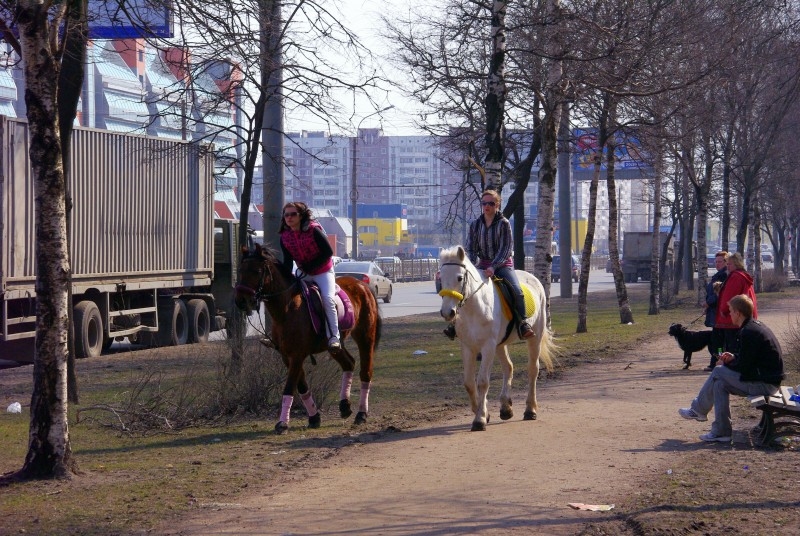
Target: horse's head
(254,274)
(454,272)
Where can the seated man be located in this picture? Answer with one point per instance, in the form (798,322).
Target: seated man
(756,369)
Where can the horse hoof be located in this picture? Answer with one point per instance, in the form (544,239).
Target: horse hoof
(529,415)
(478,427)
(506,414)
(344,408)
(361,417)
(281,428)
(315,421)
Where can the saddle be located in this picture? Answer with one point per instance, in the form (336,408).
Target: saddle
(507,304)
(313,300)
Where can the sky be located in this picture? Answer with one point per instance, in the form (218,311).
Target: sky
(364,18)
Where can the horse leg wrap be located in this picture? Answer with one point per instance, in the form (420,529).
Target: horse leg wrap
(286,406)
(347,383)
(308,402)
(363,401)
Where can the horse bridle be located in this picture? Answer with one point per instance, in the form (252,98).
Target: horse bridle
(258,293)
(454,293)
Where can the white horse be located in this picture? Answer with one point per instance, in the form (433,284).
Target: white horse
(471,300)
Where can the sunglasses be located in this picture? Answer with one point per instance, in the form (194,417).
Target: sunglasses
(488,203)
(289,214)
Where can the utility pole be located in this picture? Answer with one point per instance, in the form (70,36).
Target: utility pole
(354,179)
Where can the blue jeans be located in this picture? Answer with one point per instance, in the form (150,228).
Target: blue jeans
(716,391)
(508,273)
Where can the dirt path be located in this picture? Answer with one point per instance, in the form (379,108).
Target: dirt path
(604,430)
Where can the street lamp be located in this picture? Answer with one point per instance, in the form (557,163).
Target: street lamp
(354,183)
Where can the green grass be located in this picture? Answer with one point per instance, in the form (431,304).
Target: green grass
(131,482)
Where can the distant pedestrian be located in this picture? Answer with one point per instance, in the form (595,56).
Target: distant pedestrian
(712,298)
(737,282)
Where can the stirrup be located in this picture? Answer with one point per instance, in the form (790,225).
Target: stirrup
(525,331)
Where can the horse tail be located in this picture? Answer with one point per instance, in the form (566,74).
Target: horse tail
(548,349)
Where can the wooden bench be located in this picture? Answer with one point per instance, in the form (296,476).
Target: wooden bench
(779,413)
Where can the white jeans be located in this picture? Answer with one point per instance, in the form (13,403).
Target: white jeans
(716,391)
(327,289)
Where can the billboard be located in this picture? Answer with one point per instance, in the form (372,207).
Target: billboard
(128,19)
(628,151)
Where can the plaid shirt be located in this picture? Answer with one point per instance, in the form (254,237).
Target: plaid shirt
(490,246)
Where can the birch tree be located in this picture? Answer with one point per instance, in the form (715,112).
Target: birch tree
(46,32)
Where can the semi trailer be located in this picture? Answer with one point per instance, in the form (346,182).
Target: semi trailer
(149,261)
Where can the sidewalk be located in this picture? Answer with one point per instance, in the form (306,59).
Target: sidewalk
(604,431)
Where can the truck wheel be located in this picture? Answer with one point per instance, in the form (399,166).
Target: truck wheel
(173,324)
(88,330)
(199,321)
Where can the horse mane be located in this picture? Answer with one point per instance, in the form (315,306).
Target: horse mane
(270,256)
(452,254)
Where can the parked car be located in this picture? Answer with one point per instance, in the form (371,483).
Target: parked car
(392,266)
(555,275)
(369,273)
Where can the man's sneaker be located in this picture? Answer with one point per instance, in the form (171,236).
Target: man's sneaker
(450,332)
(712,437)
(525,331)
(334,345)
(689,413)
(708,369)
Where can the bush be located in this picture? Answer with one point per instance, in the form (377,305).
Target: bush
(257,386)
(791,354)
(772,281)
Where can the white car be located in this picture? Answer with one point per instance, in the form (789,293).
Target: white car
(370,274)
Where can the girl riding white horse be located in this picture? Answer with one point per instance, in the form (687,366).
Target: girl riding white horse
(471,301)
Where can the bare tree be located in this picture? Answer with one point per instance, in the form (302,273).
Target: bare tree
(761,91)
(48,32)
(238,60)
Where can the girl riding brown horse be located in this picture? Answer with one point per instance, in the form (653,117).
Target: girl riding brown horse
(263,278)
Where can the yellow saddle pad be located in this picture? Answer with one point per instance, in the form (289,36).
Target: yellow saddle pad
(530,304)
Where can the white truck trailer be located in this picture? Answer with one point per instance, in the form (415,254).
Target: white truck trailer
(144,245)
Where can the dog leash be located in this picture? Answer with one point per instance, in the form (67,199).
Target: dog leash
(702,315)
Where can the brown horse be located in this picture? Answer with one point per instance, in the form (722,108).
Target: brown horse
(262,277)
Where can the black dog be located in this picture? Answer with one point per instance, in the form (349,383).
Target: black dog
(689,341)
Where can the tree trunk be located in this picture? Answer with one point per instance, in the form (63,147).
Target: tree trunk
(70,83)
(591,220)
(554,97)
(655,277)
(625,313)
(496,98)
(49,451)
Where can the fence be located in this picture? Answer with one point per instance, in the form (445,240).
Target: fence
(407,270)
(410,269)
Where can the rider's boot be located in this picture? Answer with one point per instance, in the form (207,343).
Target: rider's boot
(525,330)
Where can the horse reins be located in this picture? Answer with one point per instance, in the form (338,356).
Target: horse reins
(258,293)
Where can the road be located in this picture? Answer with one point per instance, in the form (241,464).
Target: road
(407,299)
(420,297)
